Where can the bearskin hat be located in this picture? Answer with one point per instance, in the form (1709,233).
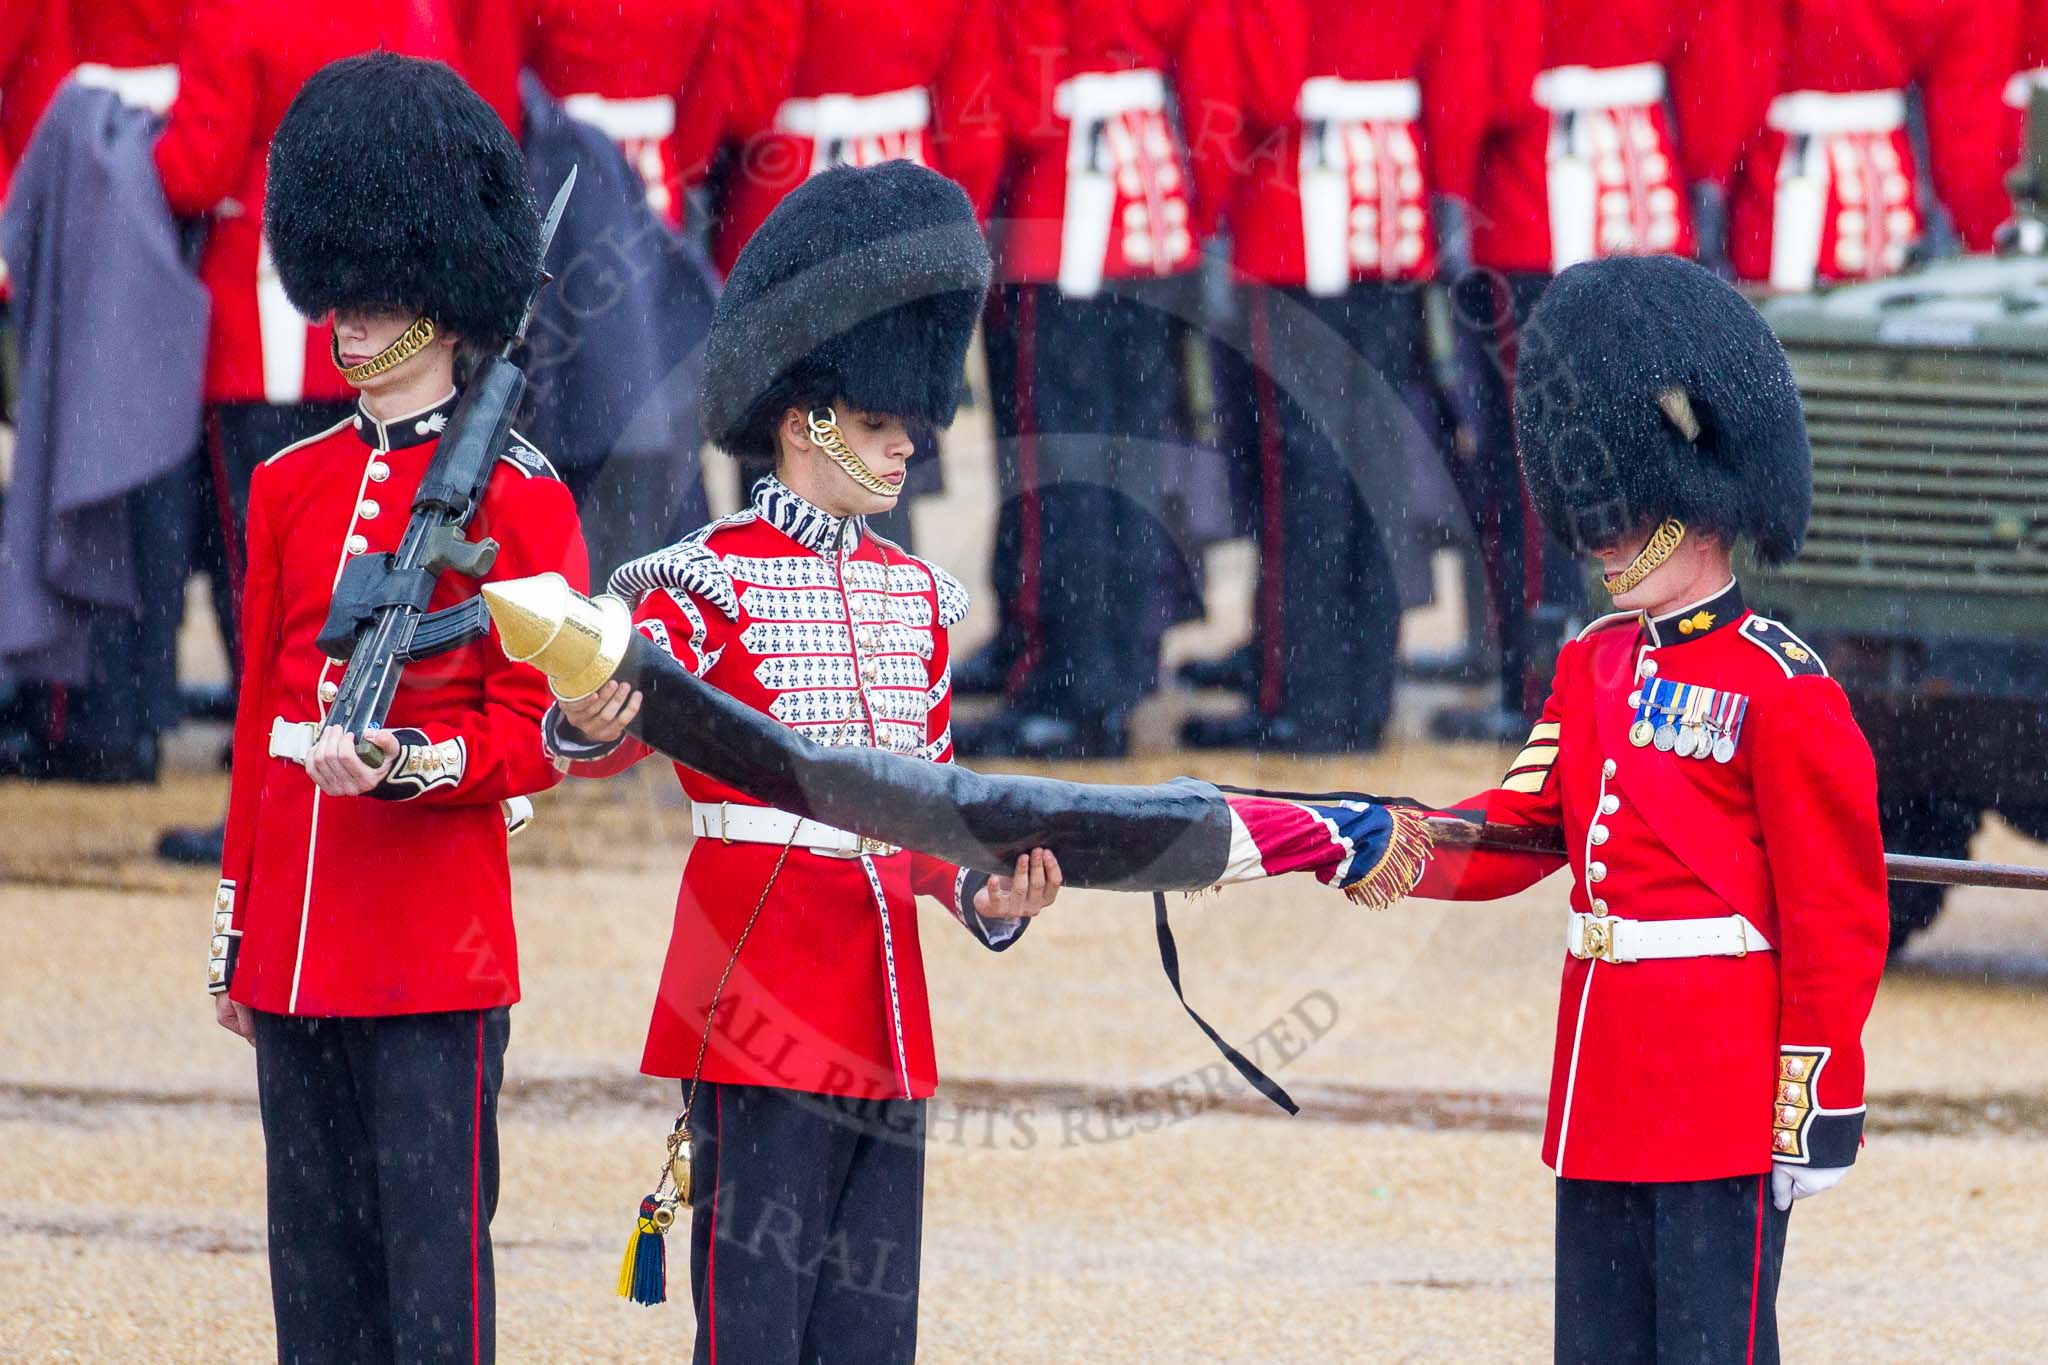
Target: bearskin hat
(392,184)
(864,285)
(1647,387)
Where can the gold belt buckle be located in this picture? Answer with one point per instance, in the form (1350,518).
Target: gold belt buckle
(871,847)
(1596,938)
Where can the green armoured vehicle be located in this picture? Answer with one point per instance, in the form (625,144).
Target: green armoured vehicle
(1924,582)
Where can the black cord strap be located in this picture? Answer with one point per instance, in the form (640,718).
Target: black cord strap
(1169,958)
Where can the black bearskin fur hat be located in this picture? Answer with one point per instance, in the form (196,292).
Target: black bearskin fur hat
(1647,387)
(864,285)
(392,184)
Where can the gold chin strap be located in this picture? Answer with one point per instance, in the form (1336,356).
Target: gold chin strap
(826,434)
(410,343)
(1662,542)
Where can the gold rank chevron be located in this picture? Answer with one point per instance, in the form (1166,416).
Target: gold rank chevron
(1531,767)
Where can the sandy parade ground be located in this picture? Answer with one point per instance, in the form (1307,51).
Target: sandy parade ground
(1094,1192)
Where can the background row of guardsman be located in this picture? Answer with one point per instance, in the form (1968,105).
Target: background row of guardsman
(1260,266)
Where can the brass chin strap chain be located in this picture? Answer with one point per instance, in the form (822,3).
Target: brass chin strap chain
(829,438)
(410,343)
(1662,542)
(672,1191)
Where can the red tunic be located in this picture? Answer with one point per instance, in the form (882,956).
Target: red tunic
(844,641)
(623,66)
(1583,134)
(1670,1069)
(1098,183)
(922,88)
(362,906)
(1397,98)
(1828,189)
(128,33)
(35,54)
(241,63)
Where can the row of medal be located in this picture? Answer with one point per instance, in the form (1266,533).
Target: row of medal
(1687,720)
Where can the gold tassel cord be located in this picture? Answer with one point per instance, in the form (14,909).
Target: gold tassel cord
(1409,849)
(410,343)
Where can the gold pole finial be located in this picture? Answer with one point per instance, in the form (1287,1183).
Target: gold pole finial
(577,641)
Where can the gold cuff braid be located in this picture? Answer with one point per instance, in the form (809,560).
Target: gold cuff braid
(1650,558)
(410,343)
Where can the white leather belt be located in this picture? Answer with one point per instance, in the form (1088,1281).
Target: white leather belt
(619,120)
(845,116)
(292,739)
(766,825)
(153,88)
(1817,113)
(1613,939)
(1571,88)
(2020,88)
(1096,95)
(1342,101)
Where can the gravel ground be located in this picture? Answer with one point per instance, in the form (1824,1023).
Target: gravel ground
(1405,1216)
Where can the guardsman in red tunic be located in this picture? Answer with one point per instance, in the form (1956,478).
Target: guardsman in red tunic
(363,935)
(924,89)
(1349,119)
(1728,920)
(1608,116)
(269,380)
(1098,217)
(805,1100)
(1829,189)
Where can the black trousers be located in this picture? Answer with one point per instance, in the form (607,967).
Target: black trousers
(381,1142)
(1329,410)
(240,436)
(1682,1273)
(806,1225)
(1085,397)
(1533,584)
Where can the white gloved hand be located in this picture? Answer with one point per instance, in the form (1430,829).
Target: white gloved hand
(1789,1182)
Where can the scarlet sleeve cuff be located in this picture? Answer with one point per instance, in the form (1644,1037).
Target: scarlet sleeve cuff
(227,940)
(422,766)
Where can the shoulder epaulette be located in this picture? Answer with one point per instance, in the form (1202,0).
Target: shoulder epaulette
(524,456)
(1793,654)
(1612,618)
(690,564)
(314,439)
(953,599)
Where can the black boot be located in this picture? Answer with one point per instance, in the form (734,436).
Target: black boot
(1237,671)
(1037,735)
(1272,734)
(199,847)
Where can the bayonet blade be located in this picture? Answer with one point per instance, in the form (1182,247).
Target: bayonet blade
(555,210)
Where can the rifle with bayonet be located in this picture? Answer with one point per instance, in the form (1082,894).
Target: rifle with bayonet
(379,613)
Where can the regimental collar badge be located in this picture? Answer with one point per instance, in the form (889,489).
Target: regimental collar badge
(1698,620)
(802,520)
(1687,720)
(415,428)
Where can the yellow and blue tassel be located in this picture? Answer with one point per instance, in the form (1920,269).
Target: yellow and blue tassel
(643,1277)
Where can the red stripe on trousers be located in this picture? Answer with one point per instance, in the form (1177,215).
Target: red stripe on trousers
(232,543)
(1756,1273)
(1030,511)
(1272,525)
(711,1257)
(476,1141)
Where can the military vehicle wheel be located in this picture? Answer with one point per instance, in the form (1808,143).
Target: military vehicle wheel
(1935,826)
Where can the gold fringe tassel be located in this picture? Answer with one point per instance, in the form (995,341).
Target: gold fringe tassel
(1409,849)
